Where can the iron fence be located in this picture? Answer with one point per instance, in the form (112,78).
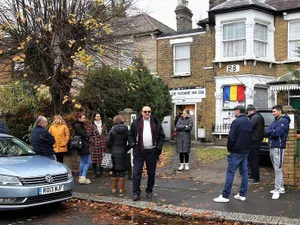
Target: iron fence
(221,128)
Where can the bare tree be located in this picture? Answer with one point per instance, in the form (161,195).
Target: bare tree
(51,41)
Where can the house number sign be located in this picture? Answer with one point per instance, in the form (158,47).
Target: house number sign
(233,68)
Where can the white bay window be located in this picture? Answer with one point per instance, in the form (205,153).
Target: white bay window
(294,39)
(260,40)
(234,39)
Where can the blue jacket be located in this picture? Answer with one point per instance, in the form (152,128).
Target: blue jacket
(42,141)
(278,132)
(240,135)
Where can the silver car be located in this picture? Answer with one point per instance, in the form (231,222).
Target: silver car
(27,179)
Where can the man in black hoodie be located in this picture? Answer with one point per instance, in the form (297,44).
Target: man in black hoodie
(238,146)
(258,131)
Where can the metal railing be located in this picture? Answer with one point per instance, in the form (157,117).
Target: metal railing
(221,128)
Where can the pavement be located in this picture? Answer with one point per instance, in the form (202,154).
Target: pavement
(190,194)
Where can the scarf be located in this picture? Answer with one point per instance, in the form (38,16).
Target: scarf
(99,126)
(141,130)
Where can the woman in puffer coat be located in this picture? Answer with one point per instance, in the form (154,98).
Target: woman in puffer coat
(61,134)
(183,139)
(117,145)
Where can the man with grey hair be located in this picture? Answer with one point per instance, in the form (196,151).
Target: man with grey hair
(42,141)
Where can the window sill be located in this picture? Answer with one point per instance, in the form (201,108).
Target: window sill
(180,75)
(243,59)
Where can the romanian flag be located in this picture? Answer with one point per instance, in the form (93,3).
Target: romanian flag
(234,93)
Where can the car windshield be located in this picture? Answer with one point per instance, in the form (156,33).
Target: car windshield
(269,118)
(11,146)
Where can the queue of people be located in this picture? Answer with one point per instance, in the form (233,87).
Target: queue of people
(146,139)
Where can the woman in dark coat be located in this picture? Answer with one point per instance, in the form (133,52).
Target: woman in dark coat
(183,139)
(117,145)
(84,152)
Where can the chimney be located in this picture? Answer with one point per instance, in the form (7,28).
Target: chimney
(183,16)
(213,3)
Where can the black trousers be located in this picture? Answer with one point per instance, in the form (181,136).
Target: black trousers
(253,160)
(150,156)
(60,157)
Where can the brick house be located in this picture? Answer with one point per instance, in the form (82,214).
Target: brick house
(184,62)
(240,49)
(135,37)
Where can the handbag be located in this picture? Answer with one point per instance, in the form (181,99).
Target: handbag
(107,162)
(76,143)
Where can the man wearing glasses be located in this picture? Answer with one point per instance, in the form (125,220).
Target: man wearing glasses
(146,137)
(277,133)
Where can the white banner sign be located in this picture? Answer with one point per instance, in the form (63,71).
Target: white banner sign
(193,95)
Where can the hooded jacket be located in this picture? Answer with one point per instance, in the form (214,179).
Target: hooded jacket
(61,134)
(258,126)
(117,144)
(278,132)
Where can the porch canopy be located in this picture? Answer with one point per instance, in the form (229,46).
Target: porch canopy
(287,82)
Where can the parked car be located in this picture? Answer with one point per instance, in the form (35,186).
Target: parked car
(27,179)
(267,115)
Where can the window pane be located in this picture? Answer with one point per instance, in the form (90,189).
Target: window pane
(261,32)
(234,48)
(182,66)
(260,98)
(234,31)
(182,51)
(260,49)
(293,46)
(294,30)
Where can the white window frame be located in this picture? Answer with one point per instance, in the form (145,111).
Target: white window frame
(293,40)
(265,42)
(234,40)
(185,73)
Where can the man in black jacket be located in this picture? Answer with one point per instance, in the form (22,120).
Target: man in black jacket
(42,141)
(258,130)
(146,137)
(239,140)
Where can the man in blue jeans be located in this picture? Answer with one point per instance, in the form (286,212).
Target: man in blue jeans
(238,146)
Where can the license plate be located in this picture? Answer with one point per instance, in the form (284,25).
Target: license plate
(265,139)
(50,189)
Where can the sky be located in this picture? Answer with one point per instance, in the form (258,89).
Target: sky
(163,10)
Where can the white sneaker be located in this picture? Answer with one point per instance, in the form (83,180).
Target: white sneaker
(276,195)
(221,199)
(186,166)
(181,167)
(238,197)
(281,191)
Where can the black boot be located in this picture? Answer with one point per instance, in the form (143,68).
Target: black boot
(94,165)
(99,171)
(129,173)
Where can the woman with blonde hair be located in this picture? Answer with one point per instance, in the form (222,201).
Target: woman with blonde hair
(117,145)
(61,134)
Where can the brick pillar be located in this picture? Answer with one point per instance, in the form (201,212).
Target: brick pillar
(290,160)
